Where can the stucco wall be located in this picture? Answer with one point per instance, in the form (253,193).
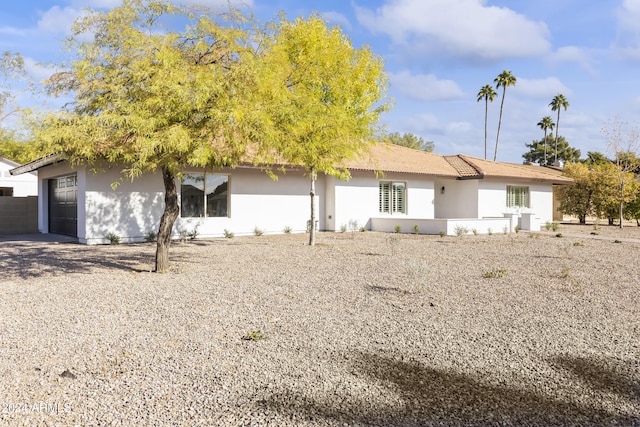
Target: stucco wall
(23,185)
(459,200)
(493,199)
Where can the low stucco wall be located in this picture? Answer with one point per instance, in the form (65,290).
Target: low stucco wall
(448,226)
(18,215)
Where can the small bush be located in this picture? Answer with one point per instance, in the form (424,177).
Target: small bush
(474,231)
(578,244)
(228,234)
(559,235)
(397,228)
(441,233)
(394,240)
(150,237)
(595,233)
(496,273)
(353,225)
(287,230)
(113,238)
(547,226)
(460,230)
(257,231)
(343,228)
(555,225)
(193,233)
(617,241)
(489,231)
(505,229)
(517,228)
(416,229)
(363,229)
(256,335)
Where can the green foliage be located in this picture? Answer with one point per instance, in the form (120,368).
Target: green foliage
(150,237)
(517,228)
(409,140)
(393,241)
(256,335)
(537,149)
(416,229)
(343,228)
(441,233)
(363,229)
(287,230)
(257,231)
(460,230)
(474,231)
(496,273)
(555,225)
(397,228)
(505,229)
(617,241)
(353,225)
(228,234)
(113,238)
(489,231)
(559,235)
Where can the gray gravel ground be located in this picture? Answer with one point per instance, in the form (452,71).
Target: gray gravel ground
(363,329)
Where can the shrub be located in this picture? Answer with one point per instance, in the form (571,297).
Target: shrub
(496,273)
(617,241)
(505,229)
(363,229)
(474,231)
(595,233)
(287,230)
(559,235)
(228,234)
(257,231)
(397,228)
(394,240)
(555,225)
(113,238)
(460,230)
(416,229)
(150,237)
(547,226)
(256,335)
(343,228)
(489,231)
(441,233)
(353,225)
(517,228)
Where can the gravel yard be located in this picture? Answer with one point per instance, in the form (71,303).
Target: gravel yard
(363,329)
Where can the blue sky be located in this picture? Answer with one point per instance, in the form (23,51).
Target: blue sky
(438,54)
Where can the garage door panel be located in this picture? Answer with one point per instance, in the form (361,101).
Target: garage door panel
(63,205)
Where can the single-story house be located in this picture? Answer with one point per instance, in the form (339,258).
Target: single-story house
(22,185)
(393,186)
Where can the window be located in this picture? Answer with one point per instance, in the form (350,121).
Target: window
(393,197)
(6,191)
(517,197)
(204,195)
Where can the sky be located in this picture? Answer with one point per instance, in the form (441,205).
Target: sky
(438,54)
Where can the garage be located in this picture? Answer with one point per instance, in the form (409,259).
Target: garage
(63,205)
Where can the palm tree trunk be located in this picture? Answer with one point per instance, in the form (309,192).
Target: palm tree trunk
(486,114)
(557,127)
(495,154)
(171,211)
(544,142)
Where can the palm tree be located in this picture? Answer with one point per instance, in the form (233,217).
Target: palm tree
(546,123)
(488,94)
(504,79)
(556,103)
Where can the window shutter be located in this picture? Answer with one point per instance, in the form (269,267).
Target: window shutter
(385,197)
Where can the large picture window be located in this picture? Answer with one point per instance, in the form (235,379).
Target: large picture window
(393,197)
(517,197)
(204,195)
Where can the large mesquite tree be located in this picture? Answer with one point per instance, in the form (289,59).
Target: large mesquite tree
(147,98)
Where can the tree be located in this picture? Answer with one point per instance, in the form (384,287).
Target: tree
(11,67)
(577,198)
(537,151)
(330,96)
(595,158)
(410,140)
(546,124)
(488,94)
(147,98)
(558,102)
(623,142)
(503,80)
(14,149)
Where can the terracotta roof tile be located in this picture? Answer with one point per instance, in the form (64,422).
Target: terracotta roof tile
(492,169)
(464,169)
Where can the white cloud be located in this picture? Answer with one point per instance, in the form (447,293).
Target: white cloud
(458,28)
(574,54)
(541,88)
(58,20)
(217,4)
(424,87)
(627,44)
(422,123)
(337,18)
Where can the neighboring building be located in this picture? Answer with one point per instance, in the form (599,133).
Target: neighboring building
(16,186)
(393,186)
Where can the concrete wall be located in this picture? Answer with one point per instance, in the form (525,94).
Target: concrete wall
(18,215)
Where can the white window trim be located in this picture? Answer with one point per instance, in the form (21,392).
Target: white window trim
(388,200)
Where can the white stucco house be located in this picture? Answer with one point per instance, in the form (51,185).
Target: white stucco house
(393,186)
(22,185)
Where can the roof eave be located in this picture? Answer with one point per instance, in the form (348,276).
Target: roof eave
(36,164)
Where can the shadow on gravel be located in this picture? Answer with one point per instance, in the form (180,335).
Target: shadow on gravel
(27,260)
(425,396)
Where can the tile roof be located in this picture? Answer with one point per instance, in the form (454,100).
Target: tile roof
(394,158)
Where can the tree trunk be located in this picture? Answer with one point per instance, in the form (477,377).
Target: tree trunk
(582,219)
(621,211)
(544,143)
(495,154)
(486,114)
(171,211)
(557,128)
(312,225)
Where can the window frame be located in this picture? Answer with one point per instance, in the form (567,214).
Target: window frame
(206,194)
(518,196)
(390,200)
